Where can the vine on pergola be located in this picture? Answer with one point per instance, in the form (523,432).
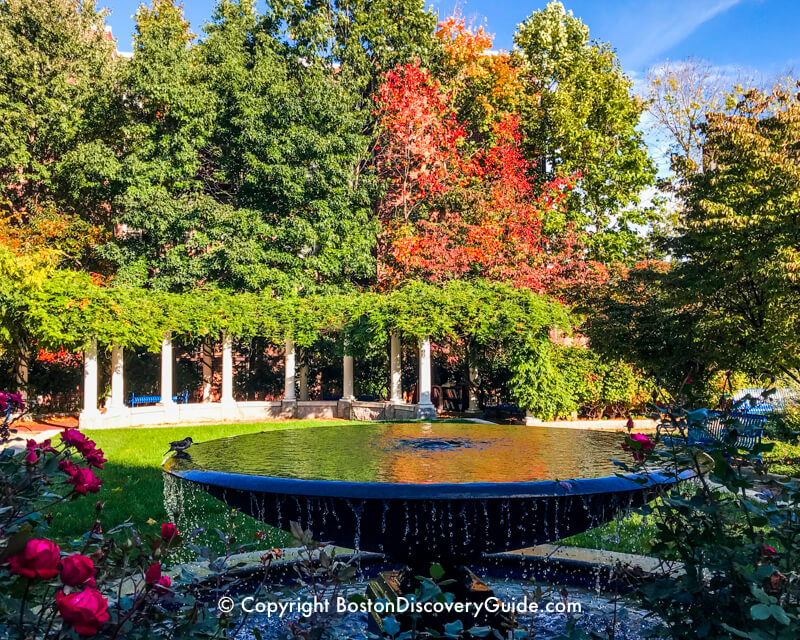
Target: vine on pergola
(68,309)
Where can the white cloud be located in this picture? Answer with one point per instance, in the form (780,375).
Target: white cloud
(654,26)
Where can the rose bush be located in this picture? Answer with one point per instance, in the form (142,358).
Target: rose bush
(114,585)
(734,529)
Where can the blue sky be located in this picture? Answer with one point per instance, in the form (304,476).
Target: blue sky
(759,36)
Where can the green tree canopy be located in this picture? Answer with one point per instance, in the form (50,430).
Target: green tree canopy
(738,248)
(579,116)
(56,73)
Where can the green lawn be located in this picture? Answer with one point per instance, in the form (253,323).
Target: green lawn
(632,534)
(133,487)
(784,450)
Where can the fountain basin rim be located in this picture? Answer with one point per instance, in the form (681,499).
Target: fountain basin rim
(433,491)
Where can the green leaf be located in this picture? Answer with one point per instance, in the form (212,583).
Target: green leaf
(760,612)
(437,571)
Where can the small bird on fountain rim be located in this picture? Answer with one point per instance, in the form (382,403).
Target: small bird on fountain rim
(180,447)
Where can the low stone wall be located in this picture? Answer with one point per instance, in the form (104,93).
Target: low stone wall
(247,411)
(644,424)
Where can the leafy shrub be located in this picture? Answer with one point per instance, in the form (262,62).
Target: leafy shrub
(555,381)
(112,584)
(736,536)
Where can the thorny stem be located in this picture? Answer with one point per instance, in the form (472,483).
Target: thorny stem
(22,604)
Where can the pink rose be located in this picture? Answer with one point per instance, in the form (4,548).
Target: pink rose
(85,610)
(67,466)
(639,445)
(169,531)
(74,438)
(95,458)
(11,400)
(77,570)
(83,480)
(44,446)
(39,559)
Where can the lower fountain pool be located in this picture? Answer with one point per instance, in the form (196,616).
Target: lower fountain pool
(604,614)
(443,491)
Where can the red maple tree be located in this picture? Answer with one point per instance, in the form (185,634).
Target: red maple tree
(417,155)
(454,208)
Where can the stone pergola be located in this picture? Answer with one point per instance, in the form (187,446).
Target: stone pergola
(117,414)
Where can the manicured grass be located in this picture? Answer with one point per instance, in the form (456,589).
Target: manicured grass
(133,486)
(632,534)
(784,450)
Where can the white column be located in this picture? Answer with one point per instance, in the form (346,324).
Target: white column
(206,362)
(21,373)
(303,383)
(289,371)
(117,398)
(227,370)
(425,407)
(348,386)
(90,379)
(473,384)
(425,371)
(166,370)
(395,369)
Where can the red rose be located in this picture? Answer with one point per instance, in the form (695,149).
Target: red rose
(85,610)
(95,458)
(39,559)
(153,573)
(87,447)
(169,531)
(77,570)
(84,480)
(73,438)
(46,446)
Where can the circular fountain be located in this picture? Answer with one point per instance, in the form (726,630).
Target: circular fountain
(449,492)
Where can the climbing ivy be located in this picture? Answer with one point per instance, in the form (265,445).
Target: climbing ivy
(68,309)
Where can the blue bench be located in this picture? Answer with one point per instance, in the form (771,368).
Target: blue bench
(715,428)
(135,401)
